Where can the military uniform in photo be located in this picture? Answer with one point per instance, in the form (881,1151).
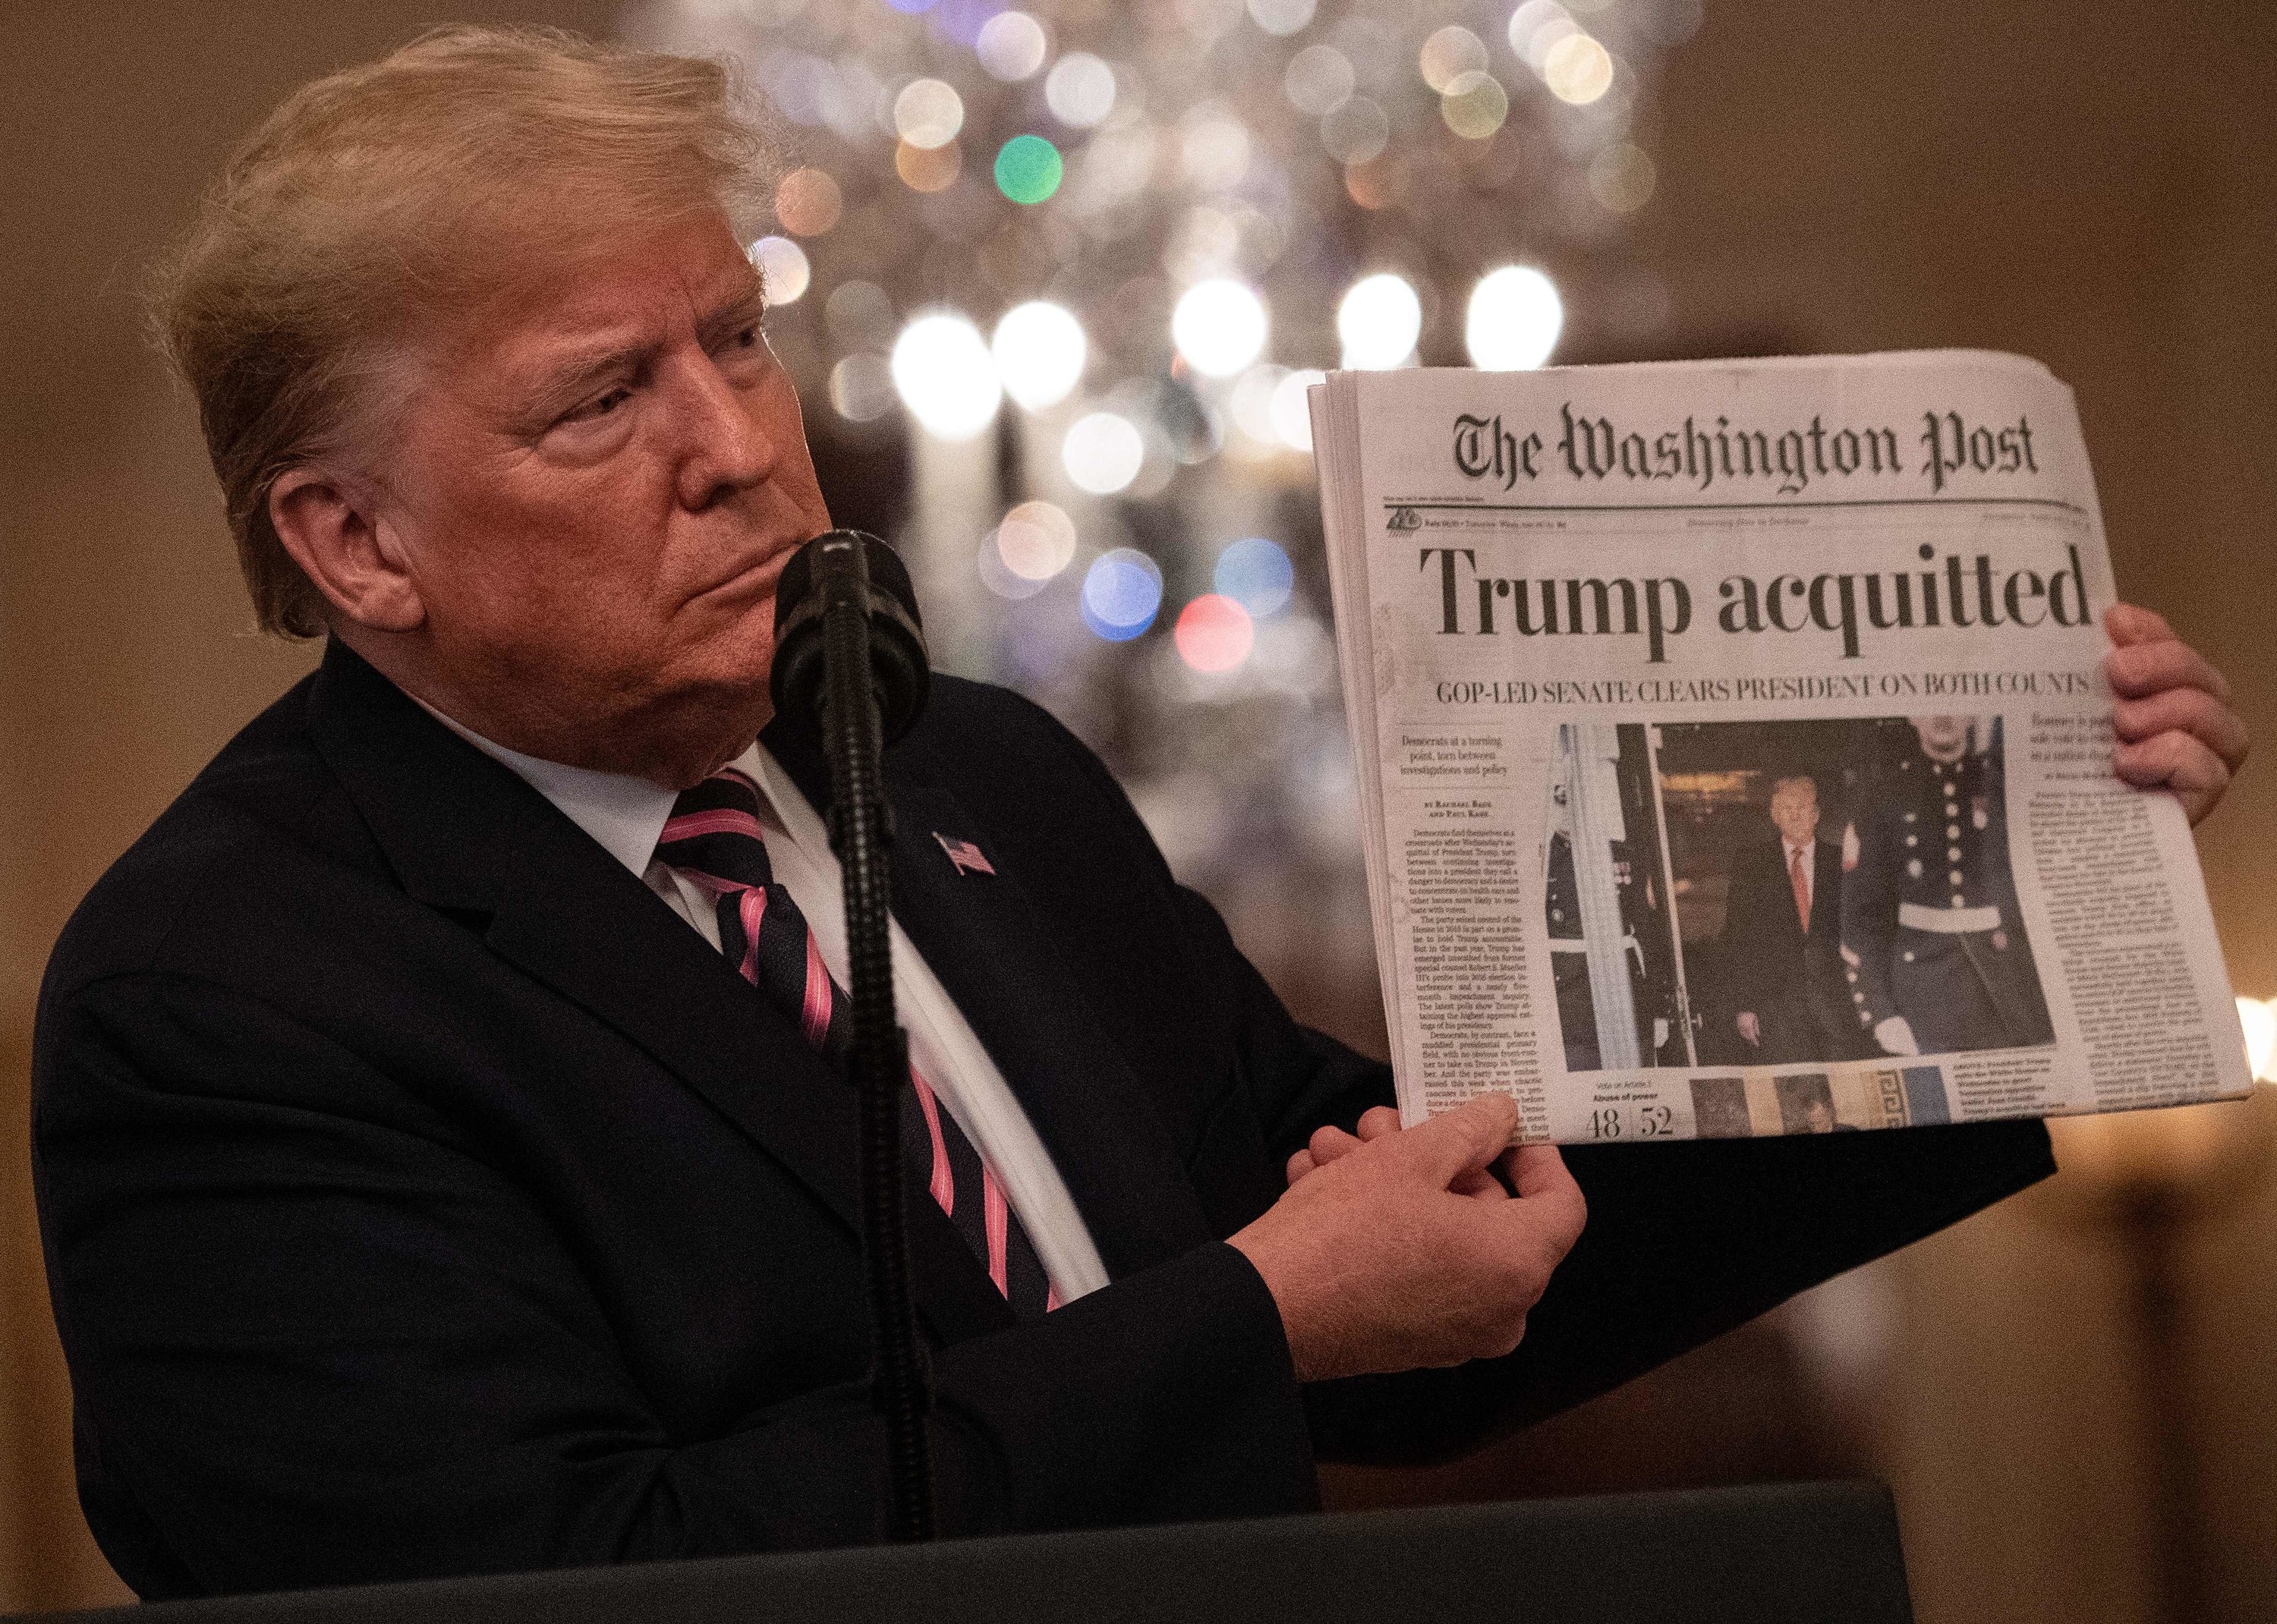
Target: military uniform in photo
(1931,933)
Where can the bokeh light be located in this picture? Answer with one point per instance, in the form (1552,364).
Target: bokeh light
(783,267)
(1453,51)
(1250,403)
(1475,105)
(1219,326)
(1214,634)
(1292,410)
(1255,573)
(1122,593)
(798,83)
(1039,350)
(1213,148)
(928,113)
(1012,45)
(1081,91)
(2259,1018)
(1378,321)
(1622,177)
(1281,16)
(1028,169)
(928,169)
(1380,183)
(1536,26)
(862,388)
(998,575)
(1205,242)
(960,20)
(944,373)
(1355,131)
(1577,70)
(1205,20)
(1318,79)
(859,314)
(1102,453)
(808,202)
(1514,319)
(1036,541)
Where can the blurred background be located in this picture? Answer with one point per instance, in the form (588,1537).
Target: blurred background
(1051,281)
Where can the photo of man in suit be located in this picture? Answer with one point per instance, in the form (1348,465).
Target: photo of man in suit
(442,1159)
(1781,936)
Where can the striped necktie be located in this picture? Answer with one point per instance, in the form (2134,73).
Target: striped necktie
(715,839)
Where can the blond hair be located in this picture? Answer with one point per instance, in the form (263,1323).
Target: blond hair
(374,199)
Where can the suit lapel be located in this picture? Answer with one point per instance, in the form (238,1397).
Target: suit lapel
(618,951)
(465,833)
(983,938)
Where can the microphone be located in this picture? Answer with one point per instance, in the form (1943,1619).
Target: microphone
(846,567)
(851,661)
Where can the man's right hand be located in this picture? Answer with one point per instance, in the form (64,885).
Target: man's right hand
(1751,1028)
(1402,1251)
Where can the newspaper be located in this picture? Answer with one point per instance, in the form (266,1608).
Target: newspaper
(1735,751)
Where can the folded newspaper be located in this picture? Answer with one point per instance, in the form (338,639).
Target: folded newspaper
(1735,751)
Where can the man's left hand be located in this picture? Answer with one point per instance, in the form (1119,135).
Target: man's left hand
(2176,731)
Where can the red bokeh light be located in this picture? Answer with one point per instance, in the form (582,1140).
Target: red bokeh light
(1215,634)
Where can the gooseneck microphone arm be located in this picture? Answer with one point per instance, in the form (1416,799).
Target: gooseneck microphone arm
(849,653)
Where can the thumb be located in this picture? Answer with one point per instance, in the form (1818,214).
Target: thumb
(2128,624)
(1456,1141)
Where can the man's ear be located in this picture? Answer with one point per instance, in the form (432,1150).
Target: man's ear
(334,533)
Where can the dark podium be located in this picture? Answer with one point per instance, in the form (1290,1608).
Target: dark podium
(1796,1553)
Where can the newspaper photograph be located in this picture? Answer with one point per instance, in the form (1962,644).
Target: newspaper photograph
(1735,751)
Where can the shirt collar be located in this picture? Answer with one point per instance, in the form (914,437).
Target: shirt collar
(623,813)
(626,814)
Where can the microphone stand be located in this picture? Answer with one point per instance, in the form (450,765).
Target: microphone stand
(861,835)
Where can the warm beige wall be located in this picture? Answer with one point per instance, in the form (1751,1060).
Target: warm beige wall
(2089,183)
(2080,180)
(126,656)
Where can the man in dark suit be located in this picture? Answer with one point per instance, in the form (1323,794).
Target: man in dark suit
(442,1157)
(1782,936)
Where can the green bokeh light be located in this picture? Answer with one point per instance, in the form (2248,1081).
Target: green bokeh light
(1028,169)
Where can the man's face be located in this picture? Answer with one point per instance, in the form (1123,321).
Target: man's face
(596,494)
(1943,738)
(1794,808)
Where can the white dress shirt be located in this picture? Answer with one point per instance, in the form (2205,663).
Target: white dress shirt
(625,816)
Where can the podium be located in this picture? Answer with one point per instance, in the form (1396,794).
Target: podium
(1797,1553)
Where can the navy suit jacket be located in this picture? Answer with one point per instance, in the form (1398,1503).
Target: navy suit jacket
(423,1196)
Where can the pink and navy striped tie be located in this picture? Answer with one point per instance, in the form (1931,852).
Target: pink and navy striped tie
(715,837)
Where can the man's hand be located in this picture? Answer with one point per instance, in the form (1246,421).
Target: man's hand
(1398,1249)
(1751,1028)
(2176,731)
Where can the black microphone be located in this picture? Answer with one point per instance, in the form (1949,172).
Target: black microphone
(850,663)
(848,567)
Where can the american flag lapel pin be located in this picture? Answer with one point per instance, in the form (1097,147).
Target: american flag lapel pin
(963,856)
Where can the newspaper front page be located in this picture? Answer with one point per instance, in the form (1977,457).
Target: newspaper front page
(1734,752)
